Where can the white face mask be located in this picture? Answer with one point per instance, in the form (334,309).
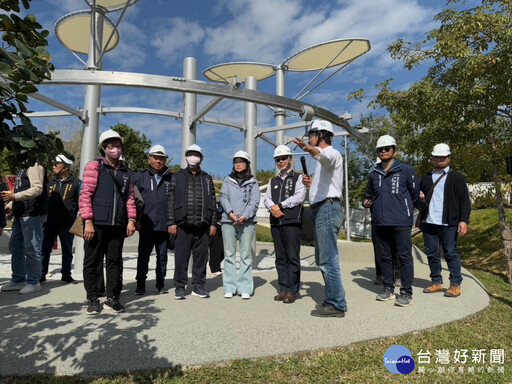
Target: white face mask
(193,160)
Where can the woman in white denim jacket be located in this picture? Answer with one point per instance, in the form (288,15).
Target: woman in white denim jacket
(240,198)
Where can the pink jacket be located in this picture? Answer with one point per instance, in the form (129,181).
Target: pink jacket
(89,184)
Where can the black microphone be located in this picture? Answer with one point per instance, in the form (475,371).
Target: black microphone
(304,167)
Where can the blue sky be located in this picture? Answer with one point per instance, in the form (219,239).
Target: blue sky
(156,35)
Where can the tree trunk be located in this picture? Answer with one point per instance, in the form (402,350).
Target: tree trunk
(505,232)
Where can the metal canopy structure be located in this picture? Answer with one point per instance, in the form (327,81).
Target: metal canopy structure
(73,31)
(110,5)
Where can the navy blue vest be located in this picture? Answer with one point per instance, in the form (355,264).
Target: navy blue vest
(34,207)
(280,191)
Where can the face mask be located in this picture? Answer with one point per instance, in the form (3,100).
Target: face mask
(193,160)
(114,153)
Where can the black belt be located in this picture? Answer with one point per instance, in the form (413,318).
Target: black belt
(328,200)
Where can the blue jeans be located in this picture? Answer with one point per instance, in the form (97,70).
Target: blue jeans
(245,235)
(25,247)
(327,221)
(434,237)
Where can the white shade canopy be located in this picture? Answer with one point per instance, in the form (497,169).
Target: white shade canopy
(227,71)
(74,32)
(327,55)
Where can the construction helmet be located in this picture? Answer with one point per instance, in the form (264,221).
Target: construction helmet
(385,141)
(110,134)
(242,155)
(441,150)
(282,150)
(194,148)
(63,159)
(321,125)
(157,150)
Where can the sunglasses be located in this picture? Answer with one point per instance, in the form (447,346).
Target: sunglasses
(384,149)
(278,159)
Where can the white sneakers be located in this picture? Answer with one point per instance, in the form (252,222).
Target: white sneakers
(228,295)
(23,288)
(10,286)
(30,288)
(245,296)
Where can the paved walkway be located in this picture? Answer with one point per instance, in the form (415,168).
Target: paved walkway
(49,332)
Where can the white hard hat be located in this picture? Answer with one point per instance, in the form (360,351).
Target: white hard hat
(385,141)
(242,155)
(194,148)
(110,134)
(282,150)
(441,150)
(63,159)
(157,150)
(321,125)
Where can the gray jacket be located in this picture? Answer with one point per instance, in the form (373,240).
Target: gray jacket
(243,200)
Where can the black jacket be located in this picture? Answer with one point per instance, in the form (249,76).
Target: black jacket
(191,201)
(155,196)
(63,200)
(280,191)
(456,202)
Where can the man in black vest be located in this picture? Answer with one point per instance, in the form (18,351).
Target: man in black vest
(64,190)
(29,203)
(284,198)
(191,217)
(153,184)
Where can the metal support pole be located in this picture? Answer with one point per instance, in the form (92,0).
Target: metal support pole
(280,114)
(92,117)
(347,206)
(188,130)
(251,122)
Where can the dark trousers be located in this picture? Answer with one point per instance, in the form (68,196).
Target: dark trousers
(148,240)
(287,248)
(216,250)
(191,240)
(376,255)
(51,231)
(107,242)
(400,239)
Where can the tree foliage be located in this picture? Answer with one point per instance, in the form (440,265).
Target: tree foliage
(24,62)
(135,147)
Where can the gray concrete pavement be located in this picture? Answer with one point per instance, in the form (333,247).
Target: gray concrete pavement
(49,331)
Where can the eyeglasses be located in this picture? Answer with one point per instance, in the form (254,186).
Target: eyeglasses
(439,158)
(239,162)
(384,149)
(278,159)
(57,164)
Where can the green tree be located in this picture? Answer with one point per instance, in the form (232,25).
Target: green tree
(24,62)
(134,147)
(464,100)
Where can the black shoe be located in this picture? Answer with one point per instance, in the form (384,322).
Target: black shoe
(328,311)
(324,304)
(42,279)
(162,289)
(68,280)
(93,307)
(140,290)
(113,304)
(179,293)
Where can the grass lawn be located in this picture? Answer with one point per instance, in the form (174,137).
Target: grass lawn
(362,362)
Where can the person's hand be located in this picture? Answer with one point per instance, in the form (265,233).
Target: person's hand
(241,220)
(130,229)
(463,228)
(213,230)
(301,143)
(367,203)
(88,230)
(274,209)
(8,196)
(234,217)
(307,180)
(172,229)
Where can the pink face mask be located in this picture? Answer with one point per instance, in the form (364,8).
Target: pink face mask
(193,160)
(113,153)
